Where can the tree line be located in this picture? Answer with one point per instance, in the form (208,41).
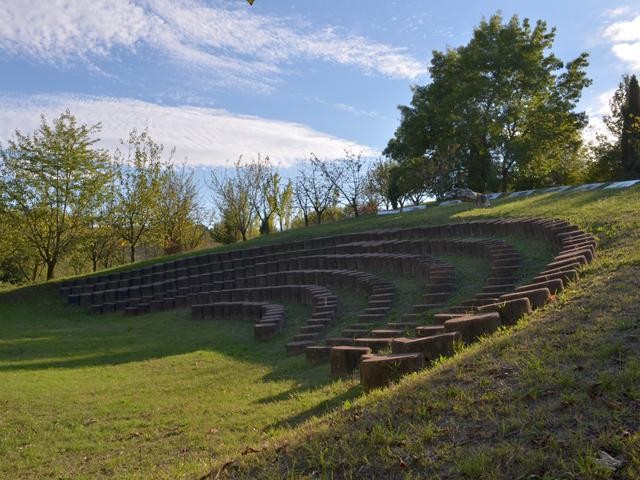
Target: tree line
(498,114)
(66,204)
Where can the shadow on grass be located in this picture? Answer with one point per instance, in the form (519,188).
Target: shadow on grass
(47,333)
(320,409)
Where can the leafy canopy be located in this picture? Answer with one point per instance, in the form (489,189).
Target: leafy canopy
(498,112)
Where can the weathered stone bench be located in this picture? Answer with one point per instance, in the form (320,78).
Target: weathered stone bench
(378,371)
(432,347)
(471,327)
(345,360)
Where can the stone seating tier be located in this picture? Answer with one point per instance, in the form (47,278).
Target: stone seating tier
(400,251)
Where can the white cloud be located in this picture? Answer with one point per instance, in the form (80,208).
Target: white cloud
(595,111)
(344,107)
(617,12)
(625,39)
(205,136)
(232,43)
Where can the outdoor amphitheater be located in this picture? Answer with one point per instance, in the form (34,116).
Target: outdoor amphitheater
(253,285)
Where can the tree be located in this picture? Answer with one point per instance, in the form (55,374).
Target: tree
(630,135)
(140,175)
(496,107)
(19,261)
(348,176)
(51,182)
(314,190)
(180,215)
(302,200)
(101,239)
(235,195)
(266,185)
(379,180)
(616,151)
(284,205)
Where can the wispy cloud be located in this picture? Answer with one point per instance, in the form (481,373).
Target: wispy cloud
(624,36)
(204,136)
(344,107)
(230,42)
(617,11)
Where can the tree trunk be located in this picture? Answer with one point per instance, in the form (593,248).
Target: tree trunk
(133,253)
(51,266)
(34,272)
(244,235)
(505,179)
(306,219)
(318,217)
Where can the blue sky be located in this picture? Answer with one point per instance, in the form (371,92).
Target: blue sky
(220,78)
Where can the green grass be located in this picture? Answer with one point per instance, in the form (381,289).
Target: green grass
(161,396)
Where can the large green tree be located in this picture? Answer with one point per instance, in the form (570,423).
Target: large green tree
(140,178)
(51,182)
(500,108)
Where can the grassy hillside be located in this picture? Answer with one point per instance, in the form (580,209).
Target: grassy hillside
(161,396)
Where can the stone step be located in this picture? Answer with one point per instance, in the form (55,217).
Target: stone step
(462,309)
(429,330)
(483,296)
(402,325)
(435,297)
(319,321)
(265,330)
(479,302)
(384,291)
(440,318)
(345,360)
(374,343)
(441,288)
(498,288)
(317,354)
(304,337)
(296,348)
(363,325)
(473,326)
(387,333)
(377,371)
(376,311)
(432,347)
(312,329)
(334,341)
(355,332)
(381,297)
(371,317)
(425,307)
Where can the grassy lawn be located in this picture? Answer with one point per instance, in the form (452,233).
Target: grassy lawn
(161,396)
(158,396)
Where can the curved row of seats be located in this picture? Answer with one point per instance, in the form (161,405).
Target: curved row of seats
(504,262)
(408,251)
(575,249)
(322,301)
(269,317)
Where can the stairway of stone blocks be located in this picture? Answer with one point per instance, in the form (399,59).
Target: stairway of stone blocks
(254,283)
